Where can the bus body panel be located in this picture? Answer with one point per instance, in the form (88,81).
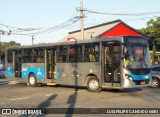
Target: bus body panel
(75,73)
(9,72)
(140,77)
(131,80)
(37,71)
(36,68)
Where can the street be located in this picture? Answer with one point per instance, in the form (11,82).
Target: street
(22,96)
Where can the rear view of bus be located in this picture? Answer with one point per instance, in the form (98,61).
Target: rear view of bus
(136,68)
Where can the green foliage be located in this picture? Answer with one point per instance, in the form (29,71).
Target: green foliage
(152,31)
(158,40)
(5,45)
(154,55)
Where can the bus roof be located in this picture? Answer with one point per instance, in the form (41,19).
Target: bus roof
(68,43)
(118,38)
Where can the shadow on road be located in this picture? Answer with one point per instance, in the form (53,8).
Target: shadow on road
(126,90)
(71,101)
(44,104)
(47,103)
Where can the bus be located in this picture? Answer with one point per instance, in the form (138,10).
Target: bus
(113,62)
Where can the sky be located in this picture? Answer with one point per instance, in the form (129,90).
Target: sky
(41,14)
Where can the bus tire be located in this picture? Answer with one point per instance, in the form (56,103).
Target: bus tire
(93,84)
(155,83)
(32,80)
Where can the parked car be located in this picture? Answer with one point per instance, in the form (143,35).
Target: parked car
(155,75)
(2,73)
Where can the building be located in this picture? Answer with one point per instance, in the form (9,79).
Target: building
(113,28)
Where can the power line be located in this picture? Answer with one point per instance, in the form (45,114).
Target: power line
(44,30)
(124,14)
(51,29)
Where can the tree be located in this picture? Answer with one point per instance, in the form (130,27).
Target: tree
(154,55)
(5,45)
(152,31)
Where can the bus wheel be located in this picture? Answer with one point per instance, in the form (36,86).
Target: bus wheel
(32,80)
(155,82)
(93,85)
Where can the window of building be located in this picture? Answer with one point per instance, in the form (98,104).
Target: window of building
(63,54)
(91,53)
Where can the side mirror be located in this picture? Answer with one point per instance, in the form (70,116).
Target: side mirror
(125,52)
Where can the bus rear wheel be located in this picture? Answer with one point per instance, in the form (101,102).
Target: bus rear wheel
(32,80)
(93,85)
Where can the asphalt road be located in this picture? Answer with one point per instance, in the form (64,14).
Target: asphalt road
(22,96)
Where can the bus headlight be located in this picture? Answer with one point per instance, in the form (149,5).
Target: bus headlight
(128,77)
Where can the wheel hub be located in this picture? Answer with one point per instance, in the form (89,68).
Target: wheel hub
(154,83)
(93,84)
(32,80)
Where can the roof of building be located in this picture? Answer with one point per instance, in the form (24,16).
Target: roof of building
(98,30)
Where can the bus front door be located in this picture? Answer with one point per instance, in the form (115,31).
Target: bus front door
(51,63)
(17,64)
(112,52)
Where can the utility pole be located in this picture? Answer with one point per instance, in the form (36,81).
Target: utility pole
(32,39)
(91,37)
(0,51)
(1,33)
(82,20)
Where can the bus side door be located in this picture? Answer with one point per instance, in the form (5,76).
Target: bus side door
(17,63)
(112,60)
(51,63)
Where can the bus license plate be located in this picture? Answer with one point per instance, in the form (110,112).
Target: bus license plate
(142,83)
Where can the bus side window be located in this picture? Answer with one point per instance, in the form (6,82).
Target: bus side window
(9,56)
(63,54)
(72,54)
(75,53)
(27,55)
(38,55)
(39,60)
(92,57)
(60,59)
(91,53)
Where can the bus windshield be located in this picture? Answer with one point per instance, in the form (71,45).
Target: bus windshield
(137,56)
